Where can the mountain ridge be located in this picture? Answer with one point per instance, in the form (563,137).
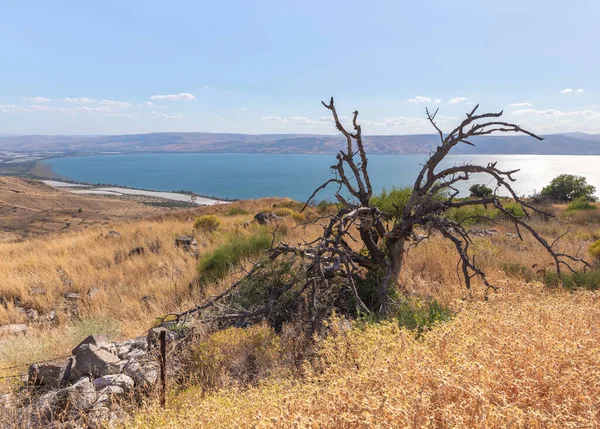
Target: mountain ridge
(553,144)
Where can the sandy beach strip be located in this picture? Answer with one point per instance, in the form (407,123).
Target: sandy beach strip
(115,191)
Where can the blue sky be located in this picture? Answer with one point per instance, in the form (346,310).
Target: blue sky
(78,67)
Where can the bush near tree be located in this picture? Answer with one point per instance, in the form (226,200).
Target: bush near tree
(480,191)
(568,187)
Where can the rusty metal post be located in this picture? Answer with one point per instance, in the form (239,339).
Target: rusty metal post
(163,368)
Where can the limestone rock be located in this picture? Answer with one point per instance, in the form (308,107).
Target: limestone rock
(144,375)
(123,381)
(51,374)
(37,290)
(97,340)
(107,395)
(92,293)
(72,296)
(81,395)
(91,359)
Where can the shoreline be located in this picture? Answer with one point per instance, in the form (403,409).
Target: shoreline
(44,173)
(117,191)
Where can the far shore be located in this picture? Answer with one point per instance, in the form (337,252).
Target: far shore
(77,188)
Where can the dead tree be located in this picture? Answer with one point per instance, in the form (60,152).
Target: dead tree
(384,240)
(337,264)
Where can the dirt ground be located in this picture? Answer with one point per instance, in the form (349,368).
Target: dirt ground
(30,208)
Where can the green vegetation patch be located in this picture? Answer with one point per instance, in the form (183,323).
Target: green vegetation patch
(421,315)
(392,201)
(589,280)
(207,223)
(236,212)
(581,203)
(216,265)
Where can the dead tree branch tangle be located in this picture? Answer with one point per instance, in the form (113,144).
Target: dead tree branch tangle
(337,268)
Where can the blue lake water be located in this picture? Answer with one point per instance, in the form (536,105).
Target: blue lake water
(247,176)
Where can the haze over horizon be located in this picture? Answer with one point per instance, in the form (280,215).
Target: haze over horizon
(262,68)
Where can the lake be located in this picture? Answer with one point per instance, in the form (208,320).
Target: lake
(248,176)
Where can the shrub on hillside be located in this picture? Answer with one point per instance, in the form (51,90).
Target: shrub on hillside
(392,201)
(236,212)
(515,209)
(216,265)
(469,215)
(207,223)
(324,206)
(589,280)
(480,191)
(283,211)
(298,217)
(568,187)
(421,315)
(581,203)
(595,250)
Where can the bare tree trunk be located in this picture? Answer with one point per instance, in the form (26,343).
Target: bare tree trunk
(396,256)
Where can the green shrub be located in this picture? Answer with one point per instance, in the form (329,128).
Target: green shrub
(581,203)
(393,201)
(283,211)
(589,280)
(520,271)
(568,187)
(216,265)
(514,208)
(207,223)
(236,212)
(421,315)
(324,206)
(480,191)
(469,215)
(298,217)
(595,250)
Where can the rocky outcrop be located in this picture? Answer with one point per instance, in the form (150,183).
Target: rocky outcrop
(94,361)
(264,218)
(88,389)
(188,244)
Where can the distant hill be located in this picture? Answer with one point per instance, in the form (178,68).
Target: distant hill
(553,144)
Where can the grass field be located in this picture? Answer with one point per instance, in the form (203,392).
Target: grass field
(528,357)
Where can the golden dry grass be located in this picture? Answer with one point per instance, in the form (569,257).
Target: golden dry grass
(523,359)
(132,293)
(526,359)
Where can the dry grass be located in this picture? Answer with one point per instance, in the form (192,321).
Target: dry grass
(526,359)
(132,292)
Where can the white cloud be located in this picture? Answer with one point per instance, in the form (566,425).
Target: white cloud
(243,108)
(52,109)
(520,105)
(566,90)
(174,115)
(11,108)
(456,100)
(579,91)
(36,99)
(146,104)
(420,99)
(81,100)
(557,113)
(437,100)
(115,104)
(174,97)
(98,109)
